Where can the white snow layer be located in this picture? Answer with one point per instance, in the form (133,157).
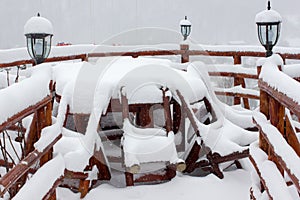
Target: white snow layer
(38,24)
(36,87)
(147,145)
(42,181)
(266,16)
(271,75)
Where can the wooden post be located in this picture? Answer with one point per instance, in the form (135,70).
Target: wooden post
(129,179)
(143,118)
(185,56)
(32,136)
(264,108)
(291,137)
(167,112)
(83,187)
(237,81)
(47,121)
(125,106)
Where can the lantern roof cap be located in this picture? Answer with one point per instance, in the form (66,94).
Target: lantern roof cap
(268,16)
(38,25)
(185,22)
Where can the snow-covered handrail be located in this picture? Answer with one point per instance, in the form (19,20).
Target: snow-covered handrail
(286,156)
(14,101)
(285,92)
(269,175)
(14,57)
(49,181)
(10,178)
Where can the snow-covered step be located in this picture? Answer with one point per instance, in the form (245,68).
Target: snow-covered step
(42,182)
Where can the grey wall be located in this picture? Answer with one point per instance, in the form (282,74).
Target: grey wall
(94,21)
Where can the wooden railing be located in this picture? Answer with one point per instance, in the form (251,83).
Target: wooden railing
(278,151)
(267,95)
(185,52)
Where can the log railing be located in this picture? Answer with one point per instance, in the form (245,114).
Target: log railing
(277,154)
(185,52)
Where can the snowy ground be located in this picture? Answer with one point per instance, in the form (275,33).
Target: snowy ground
(234,186)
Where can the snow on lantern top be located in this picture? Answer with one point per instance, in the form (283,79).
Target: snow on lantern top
(38,24)
(185,22)
(268,16)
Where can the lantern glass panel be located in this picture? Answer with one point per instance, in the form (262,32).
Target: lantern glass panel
(185,30)
(38,47)
(47,46)
(268,34)
(30,47)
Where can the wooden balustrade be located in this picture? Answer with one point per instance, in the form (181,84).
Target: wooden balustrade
(277,140)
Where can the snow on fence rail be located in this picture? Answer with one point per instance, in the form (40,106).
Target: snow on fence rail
(277,138)
(84,52)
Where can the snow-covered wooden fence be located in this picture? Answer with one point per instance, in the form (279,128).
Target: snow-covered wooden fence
(27,117)
(276,157)
(238,91)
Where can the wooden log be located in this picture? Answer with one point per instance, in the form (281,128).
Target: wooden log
(264,108)
(167,112)
(176,116)
(129,179)
(189,114)
(32,135)
(290,136)
(233,74)
(125,107)
(99,160)
(75,175)
(237,81)
(184,55)
(83,187)
(192,158)
(237,94)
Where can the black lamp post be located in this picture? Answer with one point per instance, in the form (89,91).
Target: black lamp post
(38,31)
(185,27)
(268,28)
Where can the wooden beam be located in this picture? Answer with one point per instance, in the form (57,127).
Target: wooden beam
(237,94)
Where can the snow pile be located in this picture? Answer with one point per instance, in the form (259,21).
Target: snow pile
(292,70)
(271,75)
(281,147)
(185,22)
(17,94)
(39,25)
(147,145)
(64,73)
(268,16)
